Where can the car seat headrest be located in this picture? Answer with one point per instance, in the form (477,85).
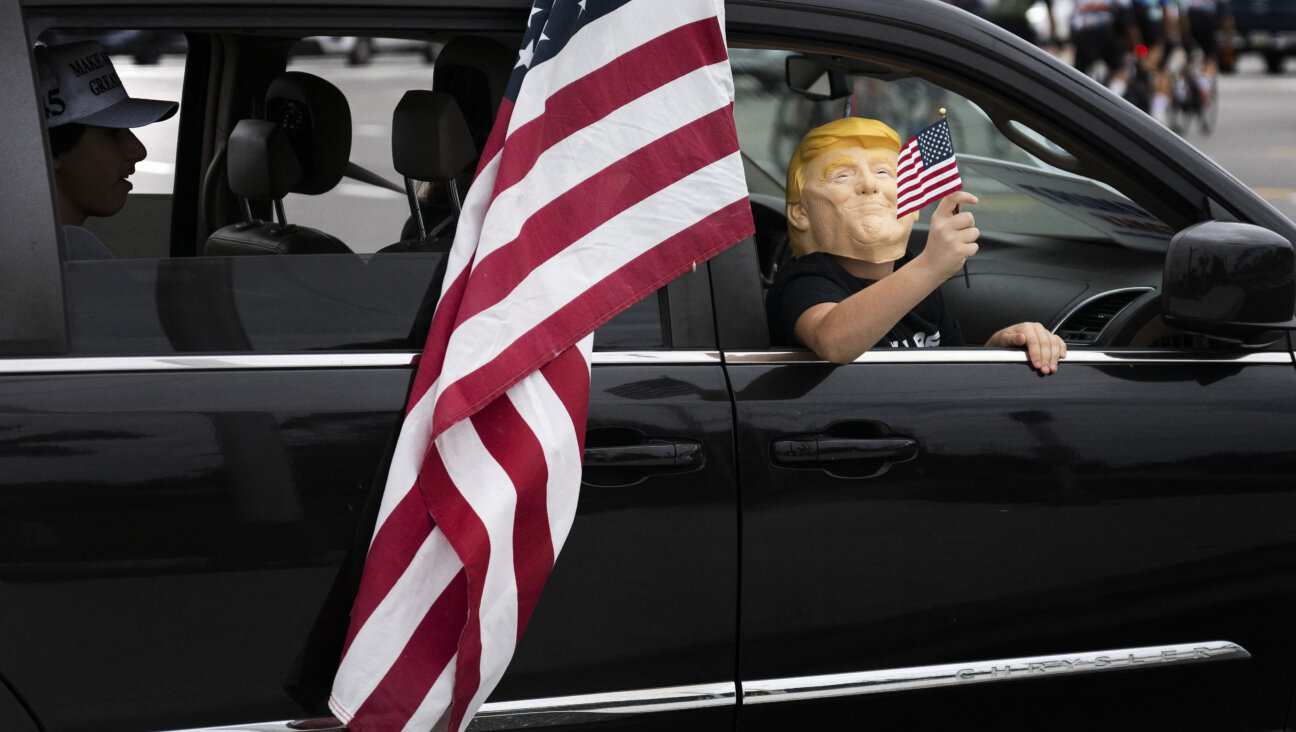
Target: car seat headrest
(316,120)
(430,139)
(475,71)
(261,163)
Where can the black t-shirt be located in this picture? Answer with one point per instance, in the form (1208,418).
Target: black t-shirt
(816,278)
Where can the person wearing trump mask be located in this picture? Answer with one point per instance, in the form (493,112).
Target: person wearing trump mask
(853,286)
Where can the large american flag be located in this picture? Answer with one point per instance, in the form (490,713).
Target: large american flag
(613,167)
(927,170)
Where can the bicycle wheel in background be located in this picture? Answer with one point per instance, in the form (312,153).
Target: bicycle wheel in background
(1209,113)
(1182,103)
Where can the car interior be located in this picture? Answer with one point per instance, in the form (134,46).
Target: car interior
(283,149)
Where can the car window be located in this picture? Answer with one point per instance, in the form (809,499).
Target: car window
(1019,192)
(151,65)
(1057,246)
(367,295)
(372,73)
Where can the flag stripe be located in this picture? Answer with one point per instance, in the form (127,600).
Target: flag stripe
(466,463)
(435,707)
(927,169)
(512,326)
(597,44)
(924,175)
(569,385)
(517,449)
(582,154)
(930,185)
(940,192)
(400,538)
(459,398)
(406,684)
(587,205)
(543,411)
(621,81)
(387,629)
(500,622)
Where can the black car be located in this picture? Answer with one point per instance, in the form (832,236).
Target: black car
(921,539)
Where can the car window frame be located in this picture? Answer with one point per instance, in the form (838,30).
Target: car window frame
(687,319)
(30,281)
(1178,185)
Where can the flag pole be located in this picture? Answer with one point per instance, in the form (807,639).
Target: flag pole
(966,281)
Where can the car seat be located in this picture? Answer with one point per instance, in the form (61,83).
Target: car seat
(302,146)
(431,142)
(475,72)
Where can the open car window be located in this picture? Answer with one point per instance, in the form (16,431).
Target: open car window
(1019,192)
(1058,246)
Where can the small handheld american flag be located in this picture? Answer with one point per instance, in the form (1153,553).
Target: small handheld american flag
(927,169)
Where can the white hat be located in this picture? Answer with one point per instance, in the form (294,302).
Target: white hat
(79,84)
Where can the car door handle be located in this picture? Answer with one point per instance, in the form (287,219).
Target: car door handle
(852,449)
(814,451)
(655,453)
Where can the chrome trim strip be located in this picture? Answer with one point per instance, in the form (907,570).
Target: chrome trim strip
(395,359)
(622,358)
(257,727)
(562,709)
(217,362)
(1005,355)
(602,707)
(768,691)
(214,362)
(593,707)
(1099,296)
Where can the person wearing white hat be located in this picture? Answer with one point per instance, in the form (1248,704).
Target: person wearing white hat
(89,116)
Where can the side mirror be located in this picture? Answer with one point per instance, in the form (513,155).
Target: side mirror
(814,81)
(1231,281)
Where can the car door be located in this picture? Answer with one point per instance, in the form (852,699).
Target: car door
(942,521)
(636,625)
(943,538)
(187,443)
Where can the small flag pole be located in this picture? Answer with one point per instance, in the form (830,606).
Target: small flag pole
(966,281)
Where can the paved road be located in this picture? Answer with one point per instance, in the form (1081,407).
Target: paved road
(1255,137)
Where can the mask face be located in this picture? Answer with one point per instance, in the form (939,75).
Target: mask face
(848,206)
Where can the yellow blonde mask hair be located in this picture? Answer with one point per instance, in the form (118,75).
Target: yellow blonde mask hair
(847,131)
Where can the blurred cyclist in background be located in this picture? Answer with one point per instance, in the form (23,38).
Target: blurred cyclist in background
(1011,15)
(1207,24)
(1155,30)
(1100,33)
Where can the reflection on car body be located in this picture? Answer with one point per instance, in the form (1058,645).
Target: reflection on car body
(188,440)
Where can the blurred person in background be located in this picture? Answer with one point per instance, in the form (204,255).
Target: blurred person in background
(1155,30)
(1013,16)
(1208,26)
(1100,34)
